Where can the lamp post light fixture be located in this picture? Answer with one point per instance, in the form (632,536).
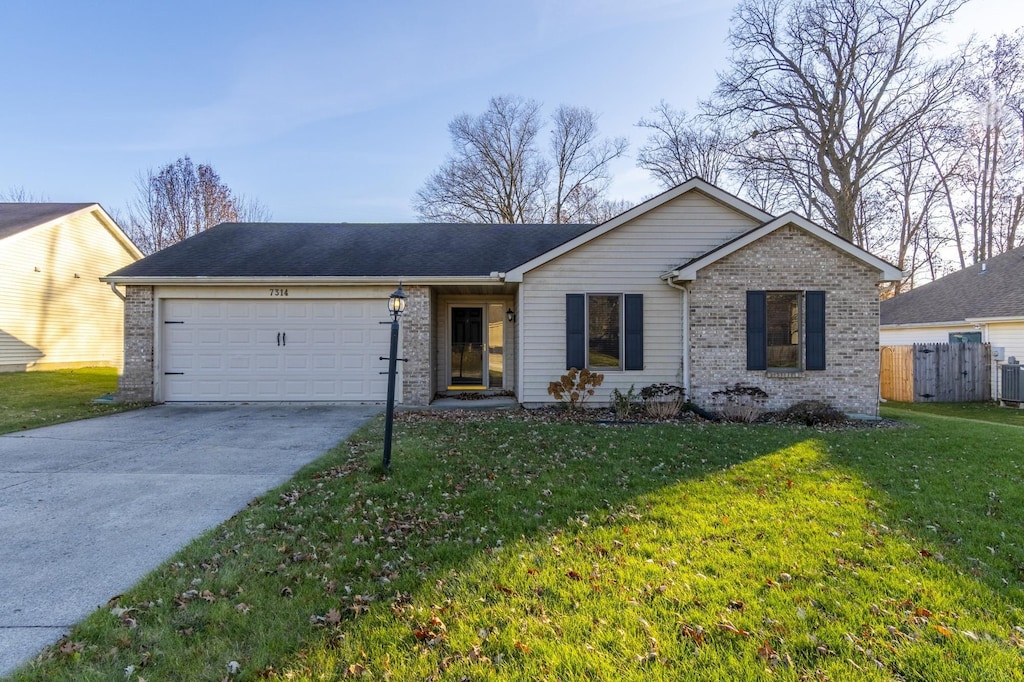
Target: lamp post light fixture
(396,306)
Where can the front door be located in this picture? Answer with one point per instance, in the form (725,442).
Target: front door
(467,353)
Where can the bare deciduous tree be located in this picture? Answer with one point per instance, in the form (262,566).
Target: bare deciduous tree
(19,195)
(180,200)
(995,97)
(832,87)
(680,146)
(497,173)
(580,160)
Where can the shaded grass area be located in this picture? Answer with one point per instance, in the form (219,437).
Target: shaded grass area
(978,411)
(32,399)
(504,547)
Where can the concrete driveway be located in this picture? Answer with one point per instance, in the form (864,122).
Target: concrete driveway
(87,508)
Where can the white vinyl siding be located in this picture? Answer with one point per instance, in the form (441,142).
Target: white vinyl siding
(48,316)
(629,260)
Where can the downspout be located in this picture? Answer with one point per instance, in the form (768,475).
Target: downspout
(686,334)
(113,287)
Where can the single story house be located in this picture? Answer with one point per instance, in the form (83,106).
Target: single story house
(983,302)
(694,287)
(54,311)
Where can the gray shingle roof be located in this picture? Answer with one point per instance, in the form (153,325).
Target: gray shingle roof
(15,218)
(352,250)
(998,291)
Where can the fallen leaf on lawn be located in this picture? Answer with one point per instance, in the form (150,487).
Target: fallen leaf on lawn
(522,647)
(242,607)
(574,575)
(69,648)
(694,633)
(922,612)
(206,595)
(355,670)
(736,605)
(502,588)
(729,627)
(970,635)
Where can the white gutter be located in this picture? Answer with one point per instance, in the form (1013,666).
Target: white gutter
(299,281)
(113,287)
(686,332)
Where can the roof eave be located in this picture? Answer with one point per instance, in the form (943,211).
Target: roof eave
(492,279)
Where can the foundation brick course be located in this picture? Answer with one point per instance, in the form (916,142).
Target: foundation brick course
(136,382)
(417,389)
(787,260)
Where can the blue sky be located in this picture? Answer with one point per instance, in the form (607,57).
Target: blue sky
(335,111)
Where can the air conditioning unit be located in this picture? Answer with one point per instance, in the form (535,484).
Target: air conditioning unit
(1012,382)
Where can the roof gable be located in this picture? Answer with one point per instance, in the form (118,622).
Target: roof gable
(992,289)
(692,185)
(18,218)
(688,271)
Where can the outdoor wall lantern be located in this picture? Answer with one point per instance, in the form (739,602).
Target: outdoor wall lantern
(510,315)
(396,306)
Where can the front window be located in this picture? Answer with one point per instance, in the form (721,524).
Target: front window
(783,330)
(604,340)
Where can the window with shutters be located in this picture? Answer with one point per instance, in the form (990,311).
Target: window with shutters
(786,330)
(604,321)
(783,329)
(604,331)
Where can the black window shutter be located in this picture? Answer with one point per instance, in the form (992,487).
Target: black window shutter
(634,323)
(575,331)
(757,323)
(814,306)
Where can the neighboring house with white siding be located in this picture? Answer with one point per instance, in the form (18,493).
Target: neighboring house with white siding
(54,311)
(693,287)
(983,302)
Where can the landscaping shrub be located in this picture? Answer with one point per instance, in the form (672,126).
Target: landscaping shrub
(625,404)
(663,401)
(739,403)
(575,386)
(811,413)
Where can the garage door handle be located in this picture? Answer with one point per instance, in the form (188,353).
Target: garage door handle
(279,338)
(169,373)
(284,338)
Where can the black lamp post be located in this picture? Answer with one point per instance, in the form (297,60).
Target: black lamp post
(396,306)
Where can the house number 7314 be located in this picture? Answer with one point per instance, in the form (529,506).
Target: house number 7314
(278,292)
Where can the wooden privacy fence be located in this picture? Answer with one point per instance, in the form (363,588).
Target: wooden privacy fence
(937,372)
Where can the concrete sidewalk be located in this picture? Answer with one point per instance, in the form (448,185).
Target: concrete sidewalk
(89,507)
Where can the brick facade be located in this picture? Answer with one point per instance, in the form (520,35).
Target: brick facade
(417,388)
(787,260)
(136,382)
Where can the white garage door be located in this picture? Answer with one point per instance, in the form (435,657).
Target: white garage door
(300,350)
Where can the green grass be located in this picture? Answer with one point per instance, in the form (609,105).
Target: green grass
(508,548)
(978,411)
(32,399)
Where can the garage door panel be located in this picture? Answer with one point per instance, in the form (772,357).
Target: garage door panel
(233,349)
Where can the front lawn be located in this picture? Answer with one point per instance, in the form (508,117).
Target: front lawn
(979,411)
(506,547)
(32,399)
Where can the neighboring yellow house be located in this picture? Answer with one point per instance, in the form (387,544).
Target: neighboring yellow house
(54,311)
